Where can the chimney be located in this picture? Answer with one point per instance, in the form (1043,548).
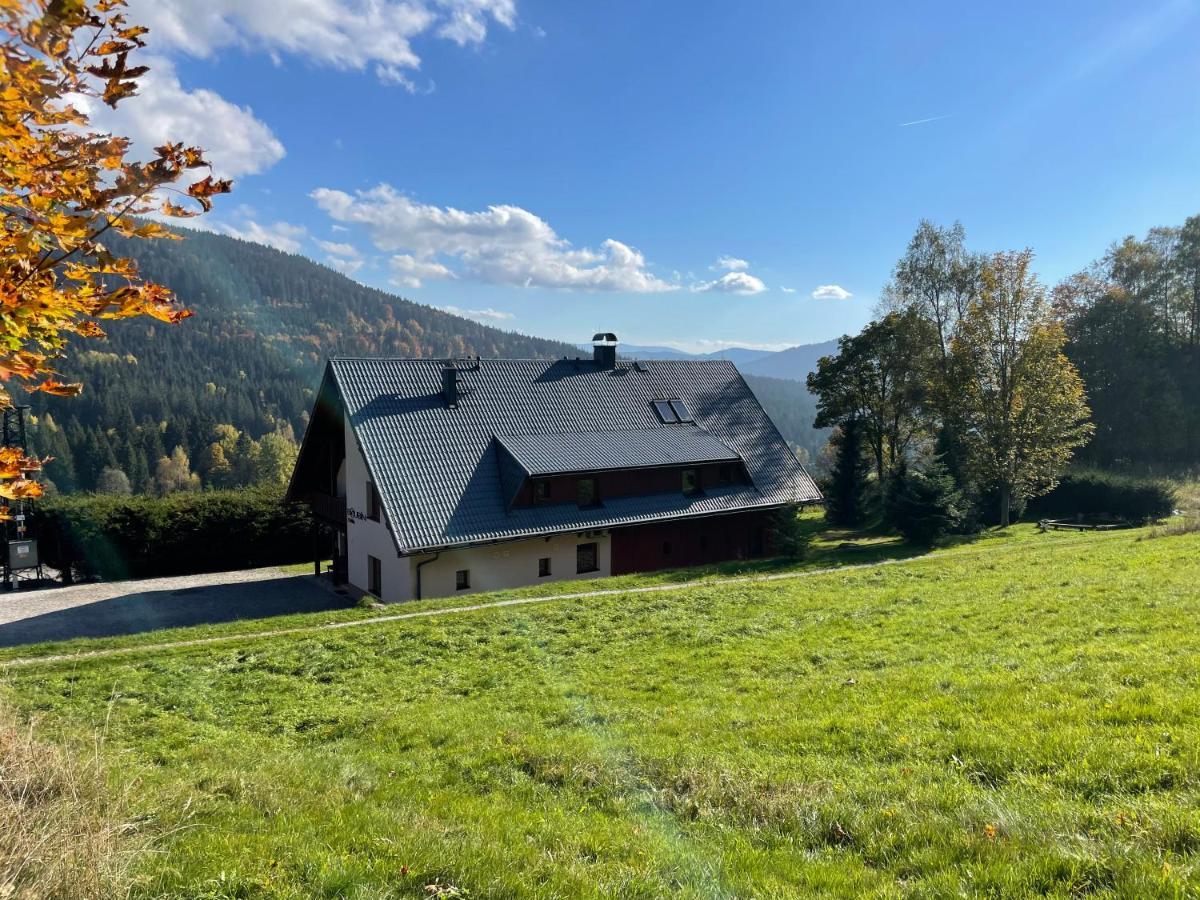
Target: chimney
(450,385)
(604,349)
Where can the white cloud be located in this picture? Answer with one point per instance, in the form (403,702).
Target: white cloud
(235,142)
(495,315)
(338,249)
(831,292)
(501,245)
(280,235)
(730,264)
(732,283)
(410,270)
(343,265)
(788,290)
(344,34)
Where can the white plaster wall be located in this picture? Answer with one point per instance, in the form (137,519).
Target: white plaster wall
(513,564)
(365,537)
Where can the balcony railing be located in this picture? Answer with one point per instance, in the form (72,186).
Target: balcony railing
(328,509)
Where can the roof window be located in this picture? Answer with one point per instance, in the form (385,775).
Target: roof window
(665,411)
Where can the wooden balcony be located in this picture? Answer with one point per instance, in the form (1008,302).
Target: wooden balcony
(328,509)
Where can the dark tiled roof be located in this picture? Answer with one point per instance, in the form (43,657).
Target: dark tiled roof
(444,482)
(598,451)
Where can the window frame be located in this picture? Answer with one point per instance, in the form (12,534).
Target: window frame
(374,575)
(595,497)
(539,486)
(374,502)
(545,567)
(462,579)
(696,487)
(662,408)
(686,415)
(595,551)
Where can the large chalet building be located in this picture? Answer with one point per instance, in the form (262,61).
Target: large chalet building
(444,477)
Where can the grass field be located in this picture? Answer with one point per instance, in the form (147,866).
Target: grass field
(1016,717)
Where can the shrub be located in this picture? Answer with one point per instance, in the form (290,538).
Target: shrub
(1098,494)
(789,538)
(924,505)
(141,537)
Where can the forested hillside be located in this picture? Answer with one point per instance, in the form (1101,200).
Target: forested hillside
(232,386)
(249,360)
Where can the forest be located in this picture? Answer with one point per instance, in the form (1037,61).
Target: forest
(221,399)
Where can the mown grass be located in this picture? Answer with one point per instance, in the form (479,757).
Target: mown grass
(829,549)
(1015,720)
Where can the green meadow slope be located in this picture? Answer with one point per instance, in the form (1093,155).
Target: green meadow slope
(1015,718)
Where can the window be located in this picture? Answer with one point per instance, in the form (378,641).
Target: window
(681,410)
(462,580)
(586,488)
(691,481)
(663,408)
(541,490)
(586,558)
(374,576)
(725,474)
(373,503)
(543,567)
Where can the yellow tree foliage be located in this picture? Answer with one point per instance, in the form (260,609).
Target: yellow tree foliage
(1020,402)
(64,186)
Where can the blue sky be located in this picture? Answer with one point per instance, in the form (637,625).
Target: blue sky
(700,174)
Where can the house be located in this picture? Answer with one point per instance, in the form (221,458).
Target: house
(444,477)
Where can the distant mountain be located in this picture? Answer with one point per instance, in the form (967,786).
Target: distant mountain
(794,363)
(264,323)
(740,356)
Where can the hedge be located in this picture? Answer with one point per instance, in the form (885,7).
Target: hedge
(116,537)
(1094,494)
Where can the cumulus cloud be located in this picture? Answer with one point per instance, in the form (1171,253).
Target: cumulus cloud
(831,292)
(730,264)
(501,244)
(280,235)
(336,248)
(235,142)
(410,270)
(344,265)
(344,34)
(732,283)
(494,315)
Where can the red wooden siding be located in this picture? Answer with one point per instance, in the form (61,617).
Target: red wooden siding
(668,545)
(631,482)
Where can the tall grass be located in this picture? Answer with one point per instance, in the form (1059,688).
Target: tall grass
(59,837)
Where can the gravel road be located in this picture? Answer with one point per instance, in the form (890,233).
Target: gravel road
(131,607)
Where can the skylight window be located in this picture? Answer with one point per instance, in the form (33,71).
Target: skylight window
(665,412)
(681,410)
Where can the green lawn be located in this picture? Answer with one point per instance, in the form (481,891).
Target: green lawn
(1019,716)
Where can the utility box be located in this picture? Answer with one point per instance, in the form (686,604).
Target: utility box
(22,555)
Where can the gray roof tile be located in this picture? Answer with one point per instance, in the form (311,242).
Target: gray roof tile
(444,483)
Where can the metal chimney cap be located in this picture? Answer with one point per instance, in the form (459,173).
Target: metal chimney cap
(604,339)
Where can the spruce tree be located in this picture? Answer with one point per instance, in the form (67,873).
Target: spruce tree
(845,493)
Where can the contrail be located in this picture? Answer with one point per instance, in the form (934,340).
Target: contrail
(923,121)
